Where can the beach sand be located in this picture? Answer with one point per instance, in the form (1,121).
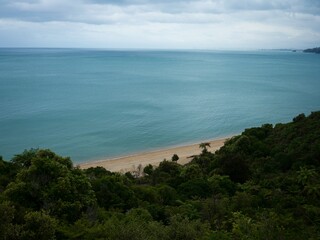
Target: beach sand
(131,163)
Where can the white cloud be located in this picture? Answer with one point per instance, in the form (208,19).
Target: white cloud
(160,24)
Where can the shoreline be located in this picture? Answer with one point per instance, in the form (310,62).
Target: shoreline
(132,162)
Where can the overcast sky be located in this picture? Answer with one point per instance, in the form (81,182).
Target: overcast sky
(160,24)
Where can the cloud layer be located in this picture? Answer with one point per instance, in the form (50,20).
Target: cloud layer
(188,24)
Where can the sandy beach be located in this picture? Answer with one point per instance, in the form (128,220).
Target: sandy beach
(130,163)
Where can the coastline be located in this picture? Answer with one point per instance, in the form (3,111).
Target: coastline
(131,162)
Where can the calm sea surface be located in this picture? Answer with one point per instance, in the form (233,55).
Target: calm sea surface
(93,104)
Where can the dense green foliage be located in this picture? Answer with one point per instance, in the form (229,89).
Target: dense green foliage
(312,50)
(262,184)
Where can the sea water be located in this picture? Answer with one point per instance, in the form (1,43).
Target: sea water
(91,104)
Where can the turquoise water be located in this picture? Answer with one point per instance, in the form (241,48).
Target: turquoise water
(92,104)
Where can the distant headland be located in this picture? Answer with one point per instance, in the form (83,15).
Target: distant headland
(312,50)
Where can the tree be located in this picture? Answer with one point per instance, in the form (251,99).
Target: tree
(175,158)
(8,172)
(195,188)
(148,170)
(8,230)
(38,225)
(48,181)
(183,229)
(191,171)
(113,193)
(204,146)
(97,172)
(24,159)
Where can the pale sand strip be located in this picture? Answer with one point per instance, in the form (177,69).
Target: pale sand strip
(130,163)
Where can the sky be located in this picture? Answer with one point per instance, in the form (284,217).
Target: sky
(160,24)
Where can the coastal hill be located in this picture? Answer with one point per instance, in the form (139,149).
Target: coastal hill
(312,50)
(262,184)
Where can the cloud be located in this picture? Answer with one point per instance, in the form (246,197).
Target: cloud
(160,24)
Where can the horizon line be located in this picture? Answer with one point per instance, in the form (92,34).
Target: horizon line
(161,49)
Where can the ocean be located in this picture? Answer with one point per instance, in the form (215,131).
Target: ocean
(91,104)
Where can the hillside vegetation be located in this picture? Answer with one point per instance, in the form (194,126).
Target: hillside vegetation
(262,184)
(312,50)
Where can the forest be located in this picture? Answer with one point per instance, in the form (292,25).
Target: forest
(262,184)
(312,50)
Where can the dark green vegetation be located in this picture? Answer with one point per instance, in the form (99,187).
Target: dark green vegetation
(263,184)
(312,50)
